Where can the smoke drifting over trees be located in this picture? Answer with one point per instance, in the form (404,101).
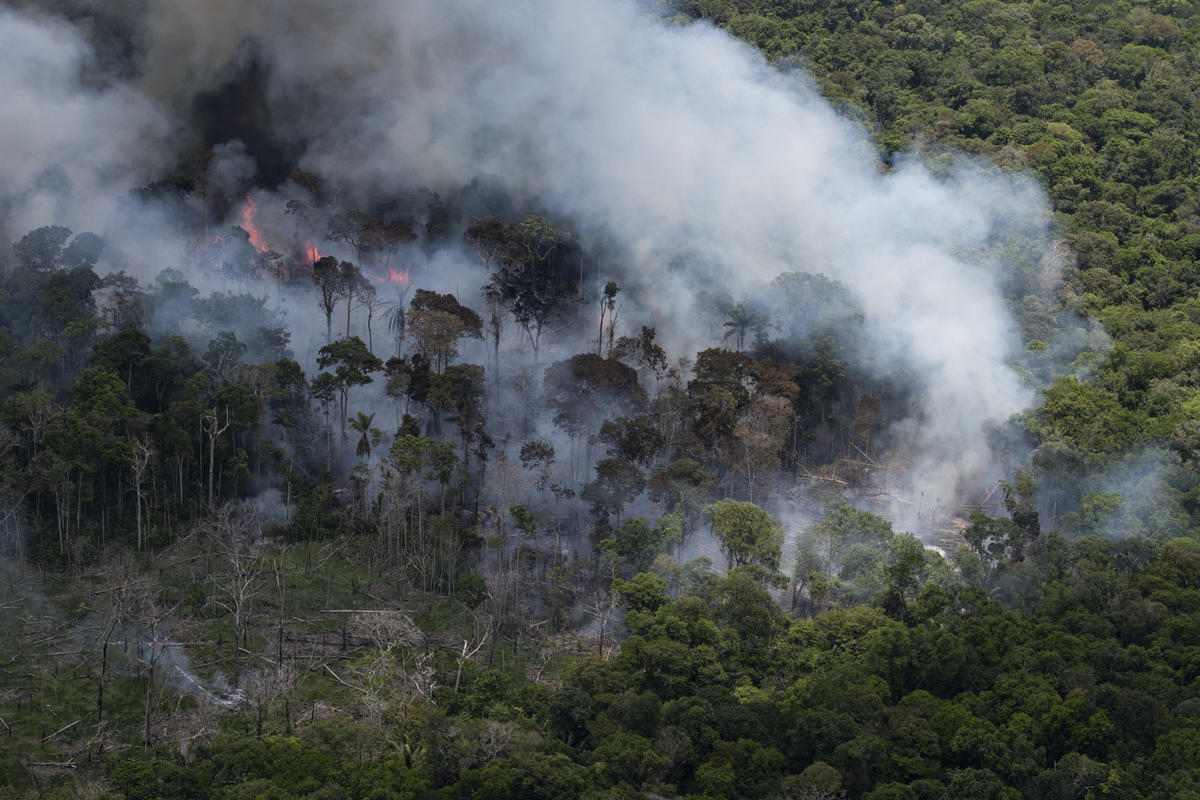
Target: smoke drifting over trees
(673,150)
(566,394)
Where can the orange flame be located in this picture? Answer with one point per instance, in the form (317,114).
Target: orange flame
(397,277)
(256,238)
(311,253)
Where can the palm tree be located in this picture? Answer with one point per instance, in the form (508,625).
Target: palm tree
(368,436)
(740,322)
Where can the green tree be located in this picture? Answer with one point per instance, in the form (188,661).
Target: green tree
(437,322)
(353,365)
(741,321)
(618,483)
(748,534)
(458,392)
(844,526)
(636,542)
(368,435)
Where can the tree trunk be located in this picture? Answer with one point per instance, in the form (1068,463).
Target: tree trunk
(212,454)
(600,338)
(100,686)
(146,709)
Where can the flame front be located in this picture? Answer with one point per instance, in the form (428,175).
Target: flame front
(311,253)
(248,225)
(397,277)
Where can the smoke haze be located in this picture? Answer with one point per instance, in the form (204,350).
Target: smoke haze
(675,149)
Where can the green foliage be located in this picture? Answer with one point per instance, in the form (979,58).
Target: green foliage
(353,363)
(524,519)
(368,435)
(748,535)
(644,592)
(636,543)
(635,439)
(1028,665)
(618,482)
(585,389)
(844,527)
(1085,690)
(271,767)
(1086,418)
(1095,98)
(424,457)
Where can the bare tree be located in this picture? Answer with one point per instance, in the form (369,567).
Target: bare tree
(602,602)
(141,454)
(470,647)
(151,649)
(123,596)
(390,677)
(369,299)
(264,686)
(496,312)
(14,488)
(213,430)
(234,532)
(397,319)
(387,629)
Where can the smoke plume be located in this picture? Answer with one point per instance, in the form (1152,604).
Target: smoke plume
(674,148)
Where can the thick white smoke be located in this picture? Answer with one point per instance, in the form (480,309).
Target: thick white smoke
(670,140)
(63,143)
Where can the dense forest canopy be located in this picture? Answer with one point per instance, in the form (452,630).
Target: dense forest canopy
(698,399)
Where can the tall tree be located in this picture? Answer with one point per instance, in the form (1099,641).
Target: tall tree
(618,483)
(214,427)
(351,284)
(397,321)
(459,392)
(369,299)
(608,310)
(643,353)
(353,365)
(437,322)
(375,239)
(740,321)
(327,276)
(533,274)
(495,319)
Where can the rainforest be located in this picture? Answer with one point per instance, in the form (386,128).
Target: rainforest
(605,399)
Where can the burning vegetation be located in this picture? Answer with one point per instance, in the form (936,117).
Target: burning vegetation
(393,418)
